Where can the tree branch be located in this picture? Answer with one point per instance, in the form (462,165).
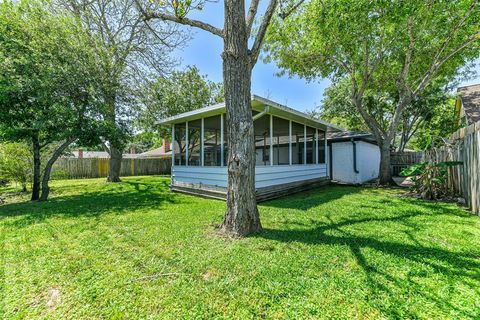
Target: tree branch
(254,53)
(252,11)
(182,20)
(285,14)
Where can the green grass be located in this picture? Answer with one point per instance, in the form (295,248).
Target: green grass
(134,250)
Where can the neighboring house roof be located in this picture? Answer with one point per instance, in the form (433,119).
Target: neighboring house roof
(100,154)
(155,153)
(470,103)
(259,104)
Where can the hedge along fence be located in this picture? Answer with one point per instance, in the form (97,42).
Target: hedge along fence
(464,179)
(73,168)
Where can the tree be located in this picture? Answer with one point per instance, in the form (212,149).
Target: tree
(399,46)
(241,217)
(338,108)
(16,163)
(180,92)
(47,83)
(131,50)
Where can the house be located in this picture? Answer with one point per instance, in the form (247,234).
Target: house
(467,105)
(84,154)
(163,151)
(290,150)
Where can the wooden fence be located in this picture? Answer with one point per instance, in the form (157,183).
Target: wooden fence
(73,168)
(463,180)
(402,160)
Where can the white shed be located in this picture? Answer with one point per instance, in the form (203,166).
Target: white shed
(355,158)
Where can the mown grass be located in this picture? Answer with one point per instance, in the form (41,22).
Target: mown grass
(135,251)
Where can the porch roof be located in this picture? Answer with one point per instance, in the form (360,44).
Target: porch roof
(259,104)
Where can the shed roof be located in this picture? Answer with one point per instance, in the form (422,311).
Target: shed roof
(470,97)
(258,104)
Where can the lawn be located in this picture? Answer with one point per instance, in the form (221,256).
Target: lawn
(133,250)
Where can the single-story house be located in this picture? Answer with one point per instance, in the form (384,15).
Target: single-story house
(290,150)
(467,105)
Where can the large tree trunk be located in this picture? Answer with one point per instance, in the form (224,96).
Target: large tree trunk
(115,164)
(48,169)
(385,174)
(36,167)
(241,217)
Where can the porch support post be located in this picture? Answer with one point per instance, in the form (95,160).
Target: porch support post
(290,142)
(173,145)
(316,146)
(202,146)
(304,144)
(271,140)
(222,148)
(186,144)
(327,162)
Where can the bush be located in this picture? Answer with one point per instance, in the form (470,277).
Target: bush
(430,179)
(16,163)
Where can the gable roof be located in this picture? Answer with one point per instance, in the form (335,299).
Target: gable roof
(470,97)
(259,104)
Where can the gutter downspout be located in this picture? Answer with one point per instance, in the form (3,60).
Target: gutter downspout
(354,156)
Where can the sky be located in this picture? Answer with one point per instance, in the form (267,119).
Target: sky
(204,49)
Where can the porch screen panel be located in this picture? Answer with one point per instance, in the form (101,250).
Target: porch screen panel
(311,152)
(212,142)
(225,140)
(280,141)
(261,128)
(180,144)
(297,143)
(321,146)
(194,142)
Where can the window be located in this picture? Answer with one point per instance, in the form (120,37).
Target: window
(194,142)
(297,143)
(280,141)
(261,128)
(212,141)
(311,151)
(180,143)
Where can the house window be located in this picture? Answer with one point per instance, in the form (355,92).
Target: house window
(261,128)
(180,144)
(297,143)
(280,141)
(194,142)
(212,141)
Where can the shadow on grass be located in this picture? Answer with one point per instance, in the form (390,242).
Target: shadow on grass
(115,198)
(454,265)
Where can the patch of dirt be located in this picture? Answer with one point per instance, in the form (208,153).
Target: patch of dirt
(54,298)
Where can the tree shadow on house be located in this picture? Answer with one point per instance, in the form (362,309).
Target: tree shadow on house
(458,266)
(93,202)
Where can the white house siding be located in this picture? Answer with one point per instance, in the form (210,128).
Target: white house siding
(265,176)
(368,162)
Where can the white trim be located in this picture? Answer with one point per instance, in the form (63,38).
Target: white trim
(271,140)
(202,142)
(222,148)
(290,142)
(186,144)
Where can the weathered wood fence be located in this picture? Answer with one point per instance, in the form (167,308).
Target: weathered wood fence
(463,180)
(74,168)
(402,160)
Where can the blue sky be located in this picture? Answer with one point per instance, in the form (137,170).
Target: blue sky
(204,50)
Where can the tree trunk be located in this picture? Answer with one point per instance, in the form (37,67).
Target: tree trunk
(48,169)
(385,174)
(241,217)
(36,167)
(115,164)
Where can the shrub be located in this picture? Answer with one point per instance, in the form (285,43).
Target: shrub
(16,163)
